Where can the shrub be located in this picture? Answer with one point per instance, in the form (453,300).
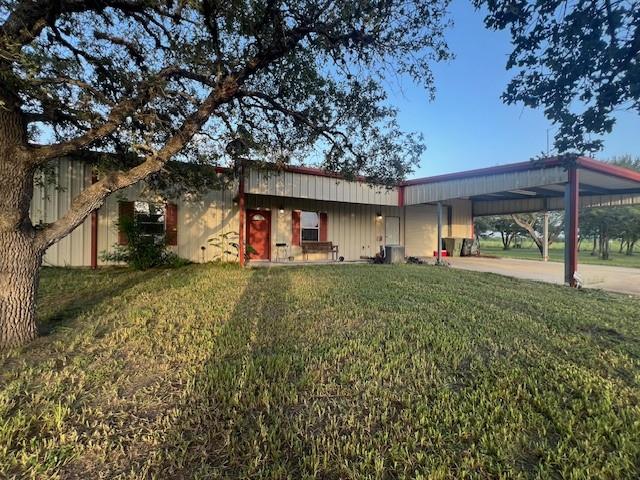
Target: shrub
(142,251)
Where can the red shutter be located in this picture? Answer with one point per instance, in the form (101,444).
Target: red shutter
(324,236)
(171,223)
(125,211)
(295,227)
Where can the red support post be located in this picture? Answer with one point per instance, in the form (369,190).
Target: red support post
(94,232)
(242,206)
(572,202)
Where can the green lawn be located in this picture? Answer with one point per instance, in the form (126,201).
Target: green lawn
(322,372)
(493,247)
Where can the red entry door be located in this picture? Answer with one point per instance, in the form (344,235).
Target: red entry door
(259,234)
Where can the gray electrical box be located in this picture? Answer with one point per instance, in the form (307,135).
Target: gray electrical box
(394,254)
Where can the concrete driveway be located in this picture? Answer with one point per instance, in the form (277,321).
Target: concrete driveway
(613,279)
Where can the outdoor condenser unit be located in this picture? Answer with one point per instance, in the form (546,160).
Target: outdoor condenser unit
(393,254)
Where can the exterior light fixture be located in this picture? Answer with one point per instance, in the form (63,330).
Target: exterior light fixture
(281,209)
(379,215)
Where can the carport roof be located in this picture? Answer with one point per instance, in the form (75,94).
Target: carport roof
(528,186)
(582,162)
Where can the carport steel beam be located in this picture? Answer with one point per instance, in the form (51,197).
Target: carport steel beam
(572,202)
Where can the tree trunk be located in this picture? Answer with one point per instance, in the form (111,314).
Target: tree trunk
(529,228)
(604,241)
(20,256)
(595,245)
(19,275)
(630,246)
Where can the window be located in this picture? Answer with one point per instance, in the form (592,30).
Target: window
(150,219)
(310,223)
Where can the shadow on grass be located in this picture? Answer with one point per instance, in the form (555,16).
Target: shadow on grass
(241,393)
(80,292)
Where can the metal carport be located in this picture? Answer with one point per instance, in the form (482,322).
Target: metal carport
(559,183)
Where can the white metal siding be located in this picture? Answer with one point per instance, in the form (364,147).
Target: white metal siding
(316,187)
(51,201)
(421,230)
(199,218)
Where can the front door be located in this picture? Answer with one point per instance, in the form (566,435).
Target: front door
(392,231)
(259,234)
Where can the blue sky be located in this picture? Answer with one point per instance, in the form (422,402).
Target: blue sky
(467,125)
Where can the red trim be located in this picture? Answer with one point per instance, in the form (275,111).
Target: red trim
(266,214)
(241,206)
(324,230)
(608,169)
(94,232)
(401,196)
(574,201)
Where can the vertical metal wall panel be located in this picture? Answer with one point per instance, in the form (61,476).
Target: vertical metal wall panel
(421,230)
(51,201)
(299,185)
(461,216)
(200,219)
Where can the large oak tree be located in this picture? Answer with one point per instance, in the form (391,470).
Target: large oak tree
(140,82)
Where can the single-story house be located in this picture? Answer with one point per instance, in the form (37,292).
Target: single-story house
(284,213)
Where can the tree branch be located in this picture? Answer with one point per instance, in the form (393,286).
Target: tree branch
(118,114)
(93,197)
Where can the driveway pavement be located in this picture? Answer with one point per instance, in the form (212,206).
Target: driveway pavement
(613,279)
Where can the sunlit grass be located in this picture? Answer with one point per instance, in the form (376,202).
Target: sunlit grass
(326,372)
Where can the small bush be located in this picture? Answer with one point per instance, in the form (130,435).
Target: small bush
(142,251)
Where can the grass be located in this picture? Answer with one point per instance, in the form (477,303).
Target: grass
(322,372)
(493,247)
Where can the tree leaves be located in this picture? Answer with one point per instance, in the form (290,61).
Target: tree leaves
(578,60)
(318,67)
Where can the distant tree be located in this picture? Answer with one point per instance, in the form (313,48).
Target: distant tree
(578,60)
(502,224)
(533,224)
(141,82)
(626,161)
